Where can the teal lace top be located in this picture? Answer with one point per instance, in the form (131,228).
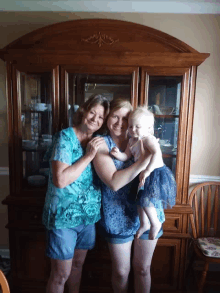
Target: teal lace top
(79,202)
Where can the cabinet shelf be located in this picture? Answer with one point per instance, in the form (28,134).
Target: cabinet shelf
(38,149)
(36,111)
(166,116)
(166,155)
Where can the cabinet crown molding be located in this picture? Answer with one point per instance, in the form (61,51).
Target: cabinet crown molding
(99,38)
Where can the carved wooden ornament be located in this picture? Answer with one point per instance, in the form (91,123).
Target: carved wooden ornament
(100,39)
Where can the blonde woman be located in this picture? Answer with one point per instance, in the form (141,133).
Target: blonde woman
(119,217)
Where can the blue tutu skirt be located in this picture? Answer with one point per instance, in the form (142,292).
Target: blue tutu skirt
(159,186)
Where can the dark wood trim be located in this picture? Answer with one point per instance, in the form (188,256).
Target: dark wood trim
(11,144)
(55,99)
(17,128)
(181,134)
(189,131)
(45,59)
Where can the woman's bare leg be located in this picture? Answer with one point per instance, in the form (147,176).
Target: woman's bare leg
(73,282)
(69,271)
(121,257)
(143,253)
(60,271)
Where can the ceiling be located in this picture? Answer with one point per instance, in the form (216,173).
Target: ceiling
(156,6)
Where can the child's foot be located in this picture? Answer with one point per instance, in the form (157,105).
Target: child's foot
(141,230)
(154,229)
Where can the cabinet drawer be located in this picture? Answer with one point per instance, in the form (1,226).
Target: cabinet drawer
(173,223)
(25,216)
(96,277)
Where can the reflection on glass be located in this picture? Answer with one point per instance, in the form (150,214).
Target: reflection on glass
(82,86)
(166,129)
(164,101)
(164,95)
(36,120)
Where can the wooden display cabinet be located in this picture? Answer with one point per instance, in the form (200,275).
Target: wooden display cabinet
(53,70)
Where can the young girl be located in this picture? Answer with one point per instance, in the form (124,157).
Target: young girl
(156,181)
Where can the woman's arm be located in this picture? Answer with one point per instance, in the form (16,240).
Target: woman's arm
(156,160)
(64,174)
(113,178)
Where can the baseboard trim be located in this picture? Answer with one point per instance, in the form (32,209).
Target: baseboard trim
(202,178)
(4,253)
(4,171)
(193,178)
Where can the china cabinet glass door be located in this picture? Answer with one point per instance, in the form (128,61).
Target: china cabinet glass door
(165,96)
(34,105)
(164,101)
(111,82)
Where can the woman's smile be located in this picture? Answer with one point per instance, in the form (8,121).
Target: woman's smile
(118,121)
(94,118)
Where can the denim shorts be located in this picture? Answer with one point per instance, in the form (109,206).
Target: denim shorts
(117,239)
(61,243)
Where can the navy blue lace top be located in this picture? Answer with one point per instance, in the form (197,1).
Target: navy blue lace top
(119,215)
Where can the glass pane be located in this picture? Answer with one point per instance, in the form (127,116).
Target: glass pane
(164,101)
(166,129)
(164,95)
(82,86)
(36,119)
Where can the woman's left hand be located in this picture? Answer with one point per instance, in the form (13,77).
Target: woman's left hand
(93,146)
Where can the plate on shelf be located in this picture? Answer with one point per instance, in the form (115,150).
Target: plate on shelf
(29,144)
(36,180)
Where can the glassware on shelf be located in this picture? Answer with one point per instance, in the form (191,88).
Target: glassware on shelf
(164,94)
(36,120)
(41,107)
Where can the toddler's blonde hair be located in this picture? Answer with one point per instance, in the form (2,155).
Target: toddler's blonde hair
(143,110)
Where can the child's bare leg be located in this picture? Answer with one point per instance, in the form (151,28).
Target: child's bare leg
(144,222)
(154,221)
